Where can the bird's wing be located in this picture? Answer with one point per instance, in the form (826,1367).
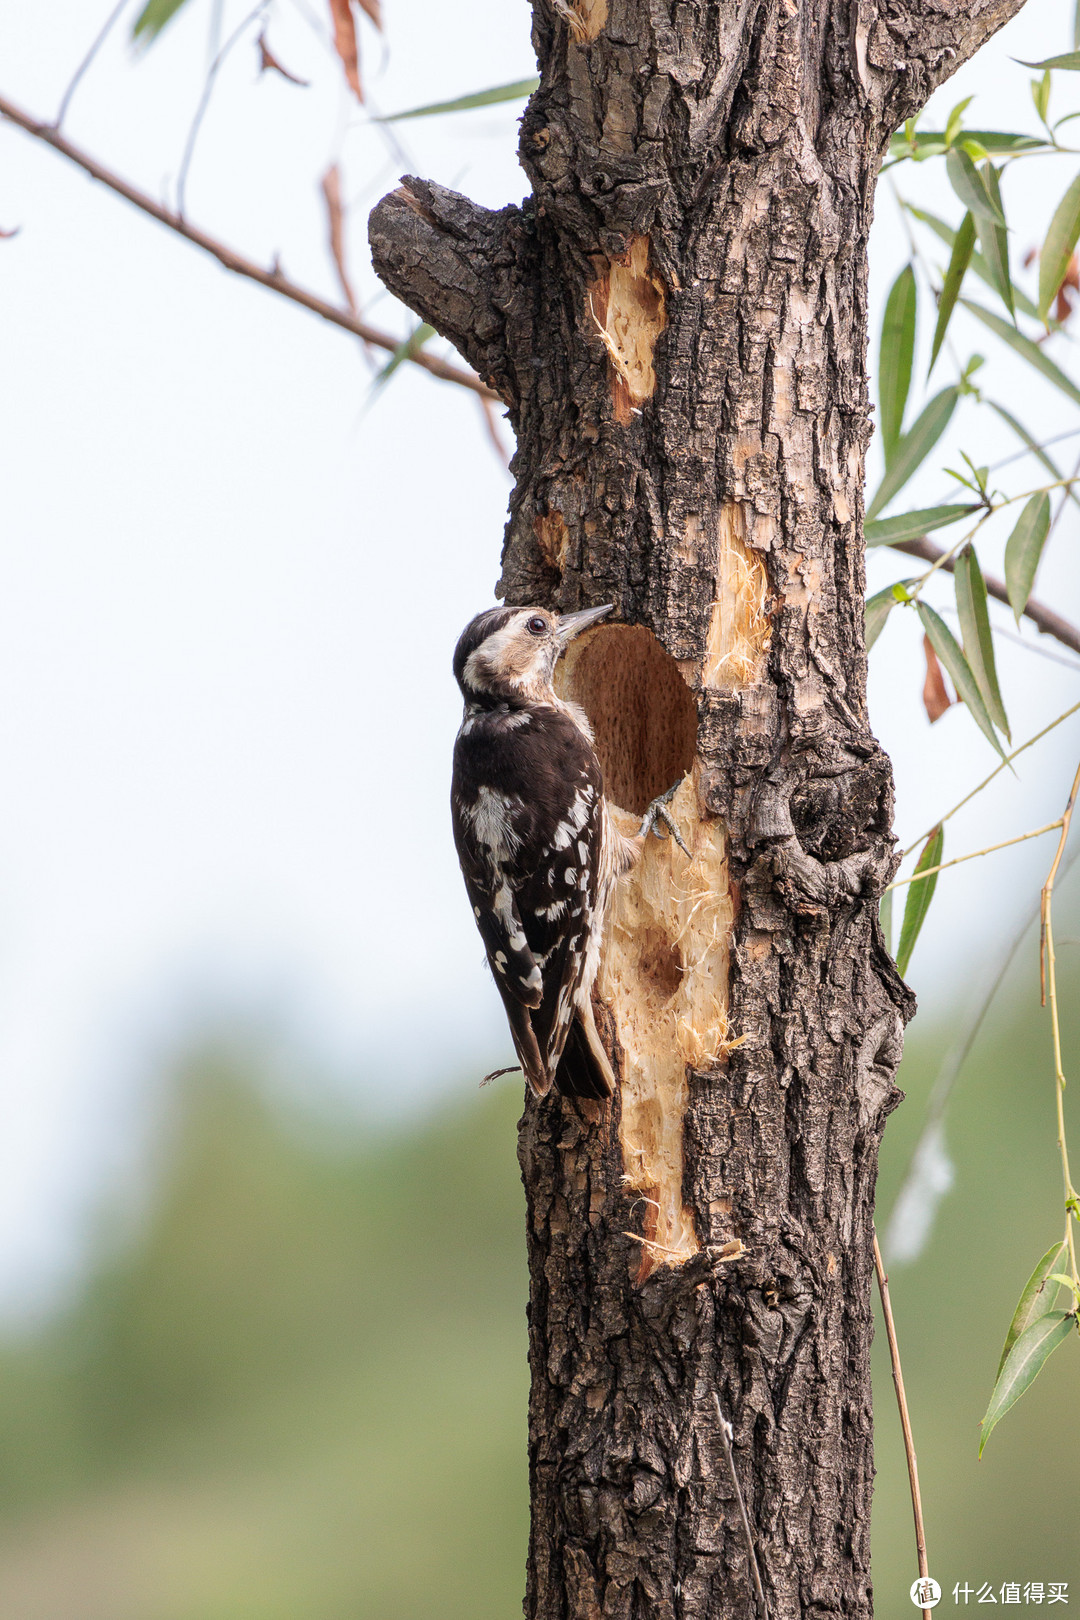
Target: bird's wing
(558,907)
(496,913)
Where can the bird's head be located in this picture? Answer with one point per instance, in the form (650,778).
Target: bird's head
(508,654)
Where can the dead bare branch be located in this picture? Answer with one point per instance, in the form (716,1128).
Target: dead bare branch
(272,279)
(99,40)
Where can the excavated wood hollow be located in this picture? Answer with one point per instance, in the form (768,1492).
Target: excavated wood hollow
(664,969)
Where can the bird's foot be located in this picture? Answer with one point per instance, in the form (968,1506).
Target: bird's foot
(658,812)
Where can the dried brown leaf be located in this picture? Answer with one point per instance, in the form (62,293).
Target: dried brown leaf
(268,63)
(373,9)
(341,15)
(7,235)
(1065,302)
(935,696)
(331,189)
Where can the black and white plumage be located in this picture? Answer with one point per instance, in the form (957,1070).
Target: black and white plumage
(538,848)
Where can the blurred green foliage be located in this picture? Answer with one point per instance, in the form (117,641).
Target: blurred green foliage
(296,1389)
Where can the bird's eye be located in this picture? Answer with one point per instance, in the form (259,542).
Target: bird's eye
(536,625)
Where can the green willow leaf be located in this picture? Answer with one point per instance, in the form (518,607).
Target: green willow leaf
(1070,60)
(913,525)
(914,447)
(995,241)
(978,263)
(1025,348)
(962,248)
(1033,445)
(153,17)
(895,358)
(1057,250)
(945,645)
(885,910)
(479,98)
(1035,1300)
(993,140)
(978,638)
(920,893)
(1024,548)
(878,608)
(1023,1364)
(405,351)
(970,187)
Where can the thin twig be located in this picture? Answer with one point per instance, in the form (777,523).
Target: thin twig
(1048,980)
(273,279)
(905,1421)
(1050,623)
(1039,735)
(725,1440)
(953,1063)
(204,101)
(1038,650)
(99,41)
(1021,838)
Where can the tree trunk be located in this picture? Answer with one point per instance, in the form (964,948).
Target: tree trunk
(676,318)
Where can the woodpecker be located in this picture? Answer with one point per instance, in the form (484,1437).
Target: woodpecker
(539,849)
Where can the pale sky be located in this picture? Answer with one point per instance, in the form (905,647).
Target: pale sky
(231,583)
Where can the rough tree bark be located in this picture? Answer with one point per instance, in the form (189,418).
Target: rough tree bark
(676,318)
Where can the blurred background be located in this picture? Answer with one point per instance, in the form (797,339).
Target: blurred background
(262,1344)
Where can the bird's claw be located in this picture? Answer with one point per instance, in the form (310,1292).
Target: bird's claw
(658,811)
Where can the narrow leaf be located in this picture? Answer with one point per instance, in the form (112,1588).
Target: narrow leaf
(1027,438)
(944,644)
(153,18)
(895,358)
(1057,250)
(995,241)
(1070,60)
(919,897)
(1035,1300)
(978,639)
(913,525)
(978,263)
(970,186)
(405,351)
(1023,1364)
(1037,450)
(341,14)
(479,98)
(914,447)
(1023,550)
(878,608)
(962,249)
(335,214)
(1024,347)
(992,140)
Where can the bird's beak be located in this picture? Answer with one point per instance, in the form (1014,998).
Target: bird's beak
(572,624)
